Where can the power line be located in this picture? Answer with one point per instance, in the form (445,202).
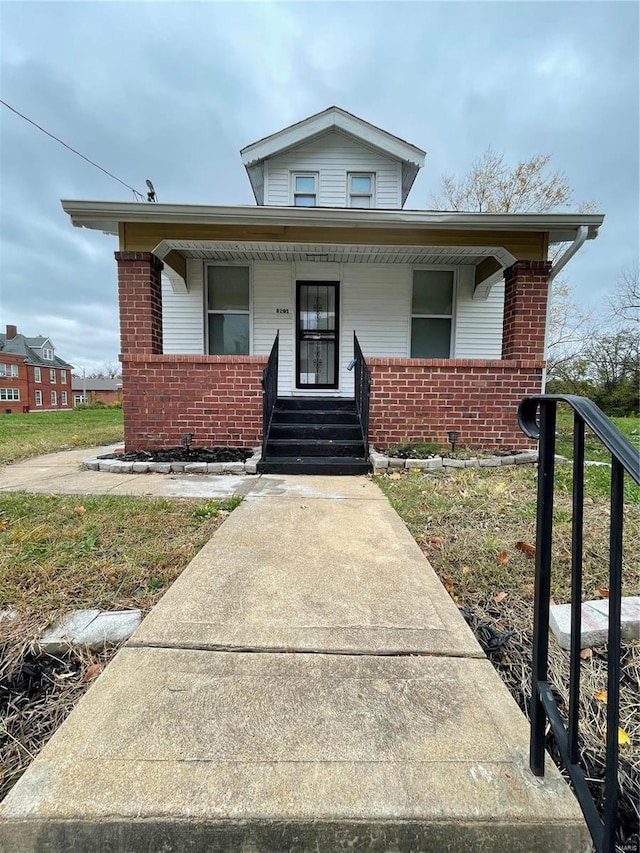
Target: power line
(135,192)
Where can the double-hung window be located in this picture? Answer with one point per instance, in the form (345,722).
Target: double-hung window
(360,188)
(54,398)
(37,374)
(38,398)
(63,377)
(432,313)
(52,376)
(47,354)
(305,189)
(9,370)
(63,398)
(228,310)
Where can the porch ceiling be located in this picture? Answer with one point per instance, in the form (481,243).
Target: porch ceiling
(333,253)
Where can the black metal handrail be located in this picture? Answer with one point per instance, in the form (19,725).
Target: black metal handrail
(269,392)
(537,419)
(362,391)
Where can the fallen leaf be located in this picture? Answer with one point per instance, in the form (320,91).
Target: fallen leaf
(92,671)
(602,591)
(420,539)
(526,548)
(601,695)
(412,513)
(395,475)
(448,585)
(303,506)
(552,601)
(623,737)
(500,597)
(466,570)
(436,541)
(503,558)
(585,654)
(80,510)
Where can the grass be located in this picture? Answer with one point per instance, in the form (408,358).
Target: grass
(35,433)
(474,526)
(593,447)
(69,553)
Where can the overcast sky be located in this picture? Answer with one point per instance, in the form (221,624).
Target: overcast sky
(172,91)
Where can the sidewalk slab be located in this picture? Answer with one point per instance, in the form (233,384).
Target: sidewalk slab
(317,574)
(238,751)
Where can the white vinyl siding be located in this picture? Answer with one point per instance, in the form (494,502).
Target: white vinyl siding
(183,313)
(478,328)
(274,307)
(333,155)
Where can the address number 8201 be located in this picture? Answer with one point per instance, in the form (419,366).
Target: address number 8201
(282,310)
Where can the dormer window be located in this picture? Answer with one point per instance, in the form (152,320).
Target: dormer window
(47,354)
(305,189)
(360,188)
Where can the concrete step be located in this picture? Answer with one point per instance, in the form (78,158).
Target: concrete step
(192,750)
(304,464)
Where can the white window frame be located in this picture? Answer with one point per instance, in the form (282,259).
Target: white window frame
(52,376)
(54,398)
(47,354)
(63,377)
(294,194)
(63,398)
(11,395)
(452,316)
(371,195)
(38,397)
(205,292)
(37,374)
(78,399)
(10,370)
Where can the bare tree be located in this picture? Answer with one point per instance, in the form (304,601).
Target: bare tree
(625,302)
(109,370)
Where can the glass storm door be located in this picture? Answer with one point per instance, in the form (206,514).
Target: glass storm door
(317,338)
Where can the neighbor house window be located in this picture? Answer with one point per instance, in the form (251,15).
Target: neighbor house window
(305,190)
(63,398)
(432,313)
(77,399)
(47,354)
(9,370)
(9,393)
(52,375)
(54,398)
(360,188)
(228,310)
(38,398)
(63,377)
(37,374)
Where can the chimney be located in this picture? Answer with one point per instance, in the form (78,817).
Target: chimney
(12,331)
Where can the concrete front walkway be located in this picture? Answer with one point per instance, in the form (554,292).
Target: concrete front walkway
(305,685)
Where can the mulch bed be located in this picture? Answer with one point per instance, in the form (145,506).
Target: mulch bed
(183,454)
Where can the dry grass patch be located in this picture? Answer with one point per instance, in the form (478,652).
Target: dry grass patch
(475,527)
(72,553)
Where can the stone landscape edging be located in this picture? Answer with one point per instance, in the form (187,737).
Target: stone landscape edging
(381,462)
(117,466)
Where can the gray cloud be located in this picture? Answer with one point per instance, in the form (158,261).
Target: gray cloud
(172,91)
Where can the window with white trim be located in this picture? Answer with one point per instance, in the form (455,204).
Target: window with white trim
(63,398)
(54,398)
(52,375)
(305,189)
(360,189)
(47,354)
(37,374)
(432,313)
(38,398)
(78,399)
(9,393)
(9,370)
(63,377)
(228,310)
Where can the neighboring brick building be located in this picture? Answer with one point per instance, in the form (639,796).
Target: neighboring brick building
(101,388)
(32,377)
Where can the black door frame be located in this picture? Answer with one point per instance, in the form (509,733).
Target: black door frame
(334,385)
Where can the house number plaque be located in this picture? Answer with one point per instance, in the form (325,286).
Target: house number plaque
(282,310)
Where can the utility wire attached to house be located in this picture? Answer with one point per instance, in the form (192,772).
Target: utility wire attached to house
(138,196)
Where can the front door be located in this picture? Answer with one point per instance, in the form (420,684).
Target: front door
(317,334)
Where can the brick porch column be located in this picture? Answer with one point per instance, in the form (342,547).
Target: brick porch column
(525,310)
(140,299)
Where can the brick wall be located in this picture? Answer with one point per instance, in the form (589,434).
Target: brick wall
(420,399)
(18,382)
(526,285)
(46,386)
(217,398)
(140,300)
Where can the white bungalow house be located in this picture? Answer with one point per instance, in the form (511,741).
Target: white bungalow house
(449,308)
